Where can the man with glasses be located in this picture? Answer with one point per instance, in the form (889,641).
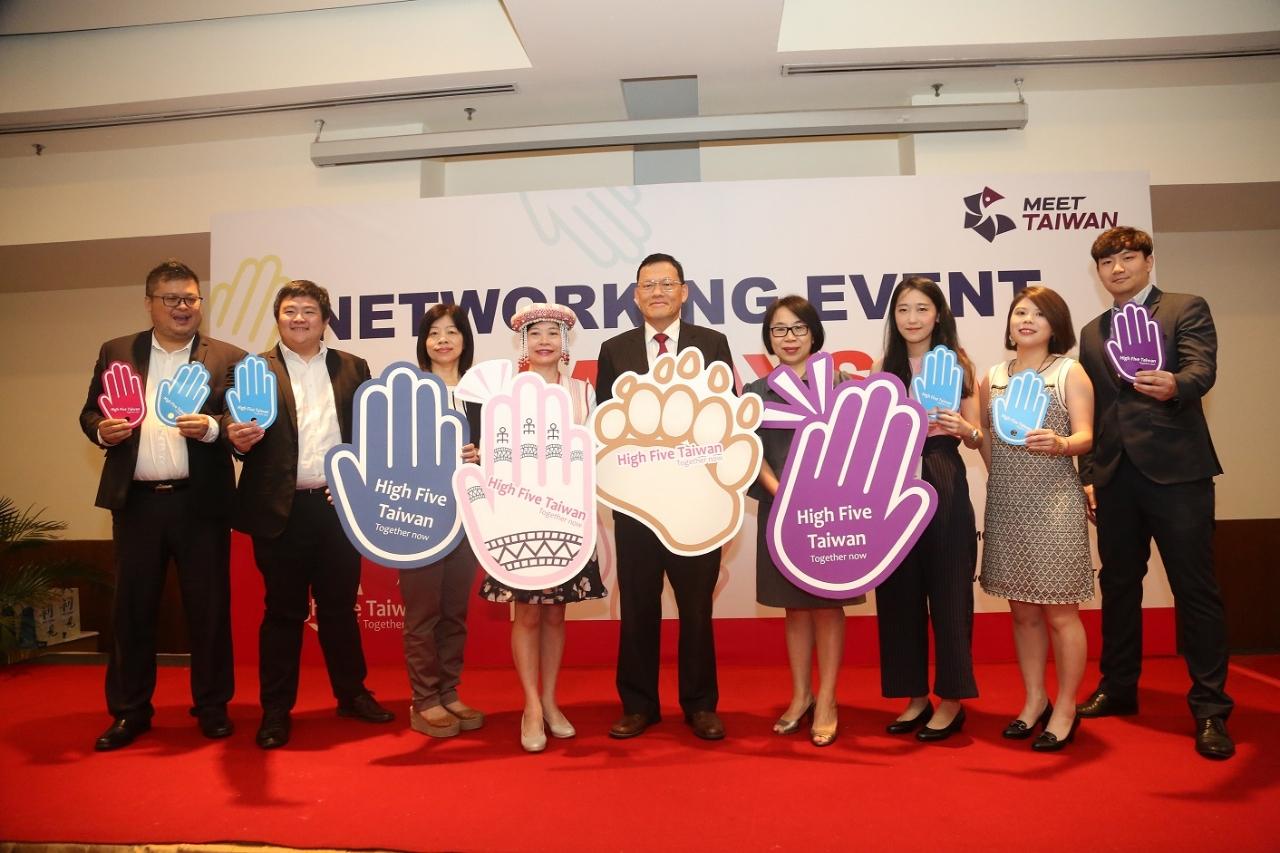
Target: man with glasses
(169,489)
(642,559)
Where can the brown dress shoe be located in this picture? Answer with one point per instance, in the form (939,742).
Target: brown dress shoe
(469,719)
(706,725)
(630,725)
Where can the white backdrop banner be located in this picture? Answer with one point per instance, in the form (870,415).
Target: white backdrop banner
(841,242)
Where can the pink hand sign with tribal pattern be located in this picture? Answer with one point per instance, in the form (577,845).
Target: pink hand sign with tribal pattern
(123,394)
(849,505)
(529,507)
(1135,343)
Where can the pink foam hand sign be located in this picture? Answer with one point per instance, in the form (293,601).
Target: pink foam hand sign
(849,505)
(123,394)
(1135,343)
(529,507)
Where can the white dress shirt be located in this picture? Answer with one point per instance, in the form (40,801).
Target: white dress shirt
(672,342)
(318,428)
(162,450)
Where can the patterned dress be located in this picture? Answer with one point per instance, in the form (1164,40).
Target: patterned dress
(587,584)
(1036,541)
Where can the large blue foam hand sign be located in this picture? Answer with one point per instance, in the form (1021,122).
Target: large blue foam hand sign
(184,394)
(253,398)
(939,382)
(1021,409)
(392,486)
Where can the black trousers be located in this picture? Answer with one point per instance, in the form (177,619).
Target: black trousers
(1132,510)
(934,583)
(642,562)
(152,528)
(311,559)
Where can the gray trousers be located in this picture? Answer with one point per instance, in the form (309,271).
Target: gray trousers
(435,625)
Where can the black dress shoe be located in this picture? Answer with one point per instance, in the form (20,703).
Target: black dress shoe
(1048,741)
(1018,730)
(630,725)
(1212,740)
(906,727)
(121,733)
(932,735)
(365,707)
(274,731)
(1103,704)
(706,725)
(214,723)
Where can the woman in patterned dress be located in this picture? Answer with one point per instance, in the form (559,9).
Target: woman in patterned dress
(537,633)
(1036,541)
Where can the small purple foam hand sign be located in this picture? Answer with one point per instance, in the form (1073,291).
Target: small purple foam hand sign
(184,394)
(1135,343)
(849,506)
(122,394)
(532,499)
(392,486)
(939,382)
(1021,409)
(253,398)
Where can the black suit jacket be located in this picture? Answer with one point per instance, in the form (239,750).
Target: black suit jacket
(627,352)
(1167,441)
(209,463)
(270,474)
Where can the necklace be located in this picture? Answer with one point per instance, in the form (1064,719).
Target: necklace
(1048,360)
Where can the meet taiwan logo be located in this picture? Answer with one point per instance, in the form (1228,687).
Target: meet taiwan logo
(1039,213)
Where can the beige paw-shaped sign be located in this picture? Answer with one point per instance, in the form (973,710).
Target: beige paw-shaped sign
(677,451)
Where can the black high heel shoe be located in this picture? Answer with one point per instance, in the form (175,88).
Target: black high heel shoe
(790,727)
(1018,730)
(932,735)
(1048,741)
(906,727)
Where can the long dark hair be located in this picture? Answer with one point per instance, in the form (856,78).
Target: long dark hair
(459,317)
(944,332)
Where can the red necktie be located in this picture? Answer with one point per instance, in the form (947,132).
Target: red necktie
(662,339)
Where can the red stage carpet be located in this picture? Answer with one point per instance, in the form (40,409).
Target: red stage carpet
(1126,784)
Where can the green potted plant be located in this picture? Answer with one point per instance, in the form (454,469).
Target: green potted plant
(29,579)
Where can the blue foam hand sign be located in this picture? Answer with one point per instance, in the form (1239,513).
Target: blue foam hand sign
(939,382)
(253,397)
(393,486)
(184,394)
(1021,409)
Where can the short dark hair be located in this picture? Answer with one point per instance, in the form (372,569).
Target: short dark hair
(660,258)
(1119,239)
(301,288)
(804,310)
(1062,336)
(170,270)
(437,312)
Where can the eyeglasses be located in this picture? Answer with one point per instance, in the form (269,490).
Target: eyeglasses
(667,285)
(172,300)
(800,330)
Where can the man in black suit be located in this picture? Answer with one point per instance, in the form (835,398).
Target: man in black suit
(1150,475)
(642,559)
(298,542)
(170,491)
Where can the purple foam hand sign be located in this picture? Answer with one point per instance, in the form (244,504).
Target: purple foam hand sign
(253,398)
(1135,343)
(184,394)
(849,505)
(1021,408)
(939,382)
(529,507)
(122,394)
(392,486)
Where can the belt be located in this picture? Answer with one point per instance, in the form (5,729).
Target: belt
(160,486)
(318,490)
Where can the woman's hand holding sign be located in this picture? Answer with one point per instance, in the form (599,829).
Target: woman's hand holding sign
(1022,408)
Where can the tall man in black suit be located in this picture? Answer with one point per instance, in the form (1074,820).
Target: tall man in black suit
(298,542)
(642,558)
(1151,476)
(170,491)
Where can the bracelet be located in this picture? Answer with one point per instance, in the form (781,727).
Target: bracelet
(975,437)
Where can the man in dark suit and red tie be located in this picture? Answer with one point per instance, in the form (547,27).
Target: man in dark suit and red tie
(1150,476)
(298,542)
(170,490)
(642,558)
